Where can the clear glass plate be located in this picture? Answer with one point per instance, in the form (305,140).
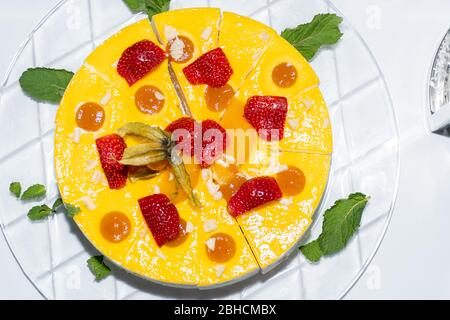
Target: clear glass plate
(53,254)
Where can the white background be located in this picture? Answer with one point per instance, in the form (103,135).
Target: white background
(414,259)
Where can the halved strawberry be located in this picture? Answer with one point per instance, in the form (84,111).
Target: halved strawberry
(110,149)
(252,194)
(183,129)
(267,114)
(214,143)
(212,69)
(138,60)
(161,217)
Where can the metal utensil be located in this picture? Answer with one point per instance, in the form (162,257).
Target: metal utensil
(439,89)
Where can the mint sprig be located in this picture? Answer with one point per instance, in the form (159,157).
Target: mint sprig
(34,192)
(151,7)
(98,268)
(38,213)
(44,84)
(309,37)
(71,210)
(340,222)
(16,189)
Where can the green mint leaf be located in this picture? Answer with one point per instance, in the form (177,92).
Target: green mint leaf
(72,211)
(39,213)
(57,204)
(45,85)
(34,192)
(309,37)
(16,189)
(154,7)
(135,5)
(340,222)
(98,268)
(312,251)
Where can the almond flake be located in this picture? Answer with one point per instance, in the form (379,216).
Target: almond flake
(287,201)
(77,133)
(220,269)
(97,177)
(89,203)
(210,225)
(156,189)
(189,227)
(159,96)
(206,34)
(170,32)
(206,174)
(211,244)
(105,100)
(218,196)
(264,36)
(177,49)
(160,254)
(91,164)
(213,188)
(171,176)
(293,123)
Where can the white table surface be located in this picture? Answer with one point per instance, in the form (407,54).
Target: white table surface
(414,259)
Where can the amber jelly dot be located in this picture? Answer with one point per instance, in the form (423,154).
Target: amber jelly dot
(291,181)
(149,99)
(217,99)
(232,186)
(90,116)
(188,49)
(224,250)
(284,75)
(115,227)
(182,236)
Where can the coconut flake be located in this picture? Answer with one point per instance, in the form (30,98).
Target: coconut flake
(206,34)
(160,254)
(189,227)
(211,244)
(170,32)
(106,99)
(220,269)
(210,225)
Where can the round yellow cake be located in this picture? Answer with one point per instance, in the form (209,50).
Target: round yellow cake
(263,236)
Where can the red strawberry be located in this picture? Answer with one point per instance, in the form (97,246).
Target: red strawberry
(181,127)
(267,113)
(212,69)
(110,149)
(252,194)
(138,60)
(214,143)
(161,216)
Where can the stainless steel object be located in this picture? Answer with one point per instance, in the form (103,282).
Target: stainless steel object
(439,89)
